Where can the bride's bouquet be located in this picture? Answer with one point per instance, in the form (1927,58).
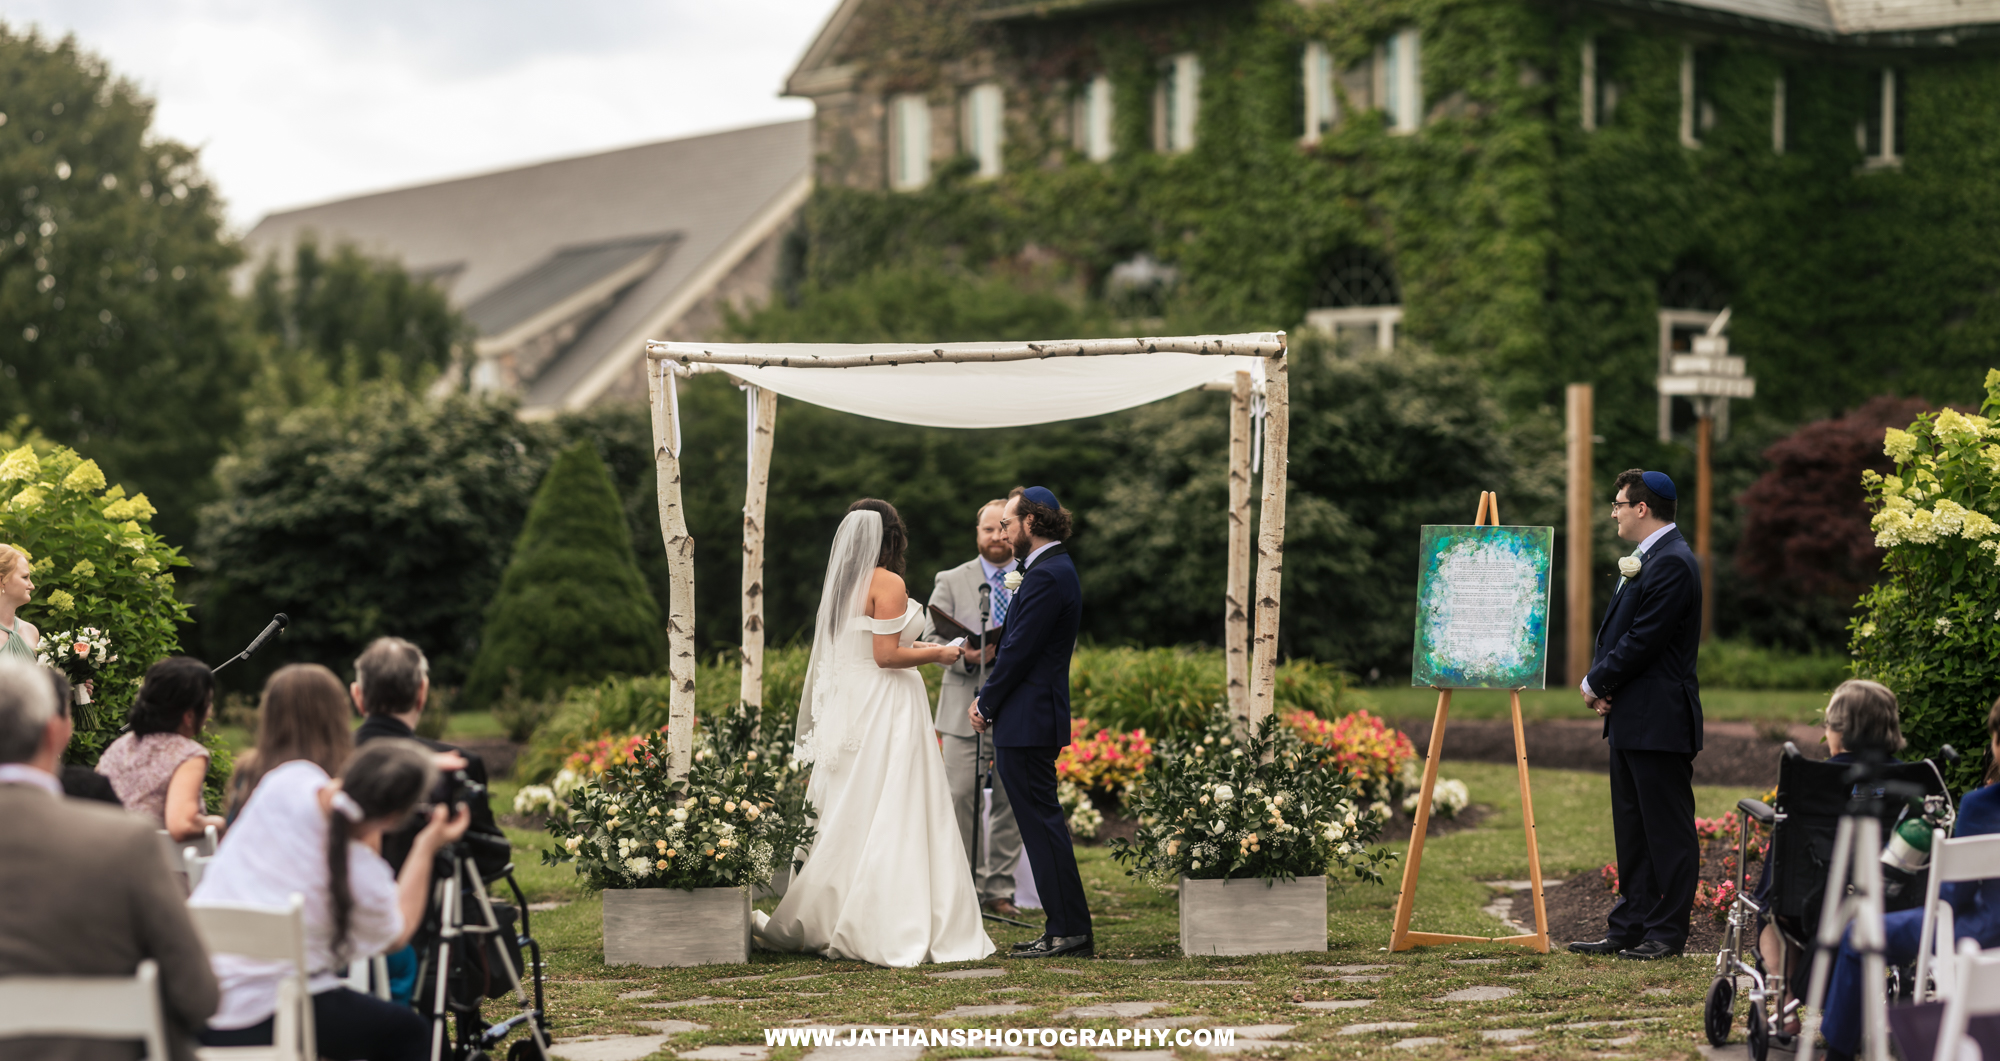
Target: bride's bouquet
(738,815)
(79,654)
(1220,805)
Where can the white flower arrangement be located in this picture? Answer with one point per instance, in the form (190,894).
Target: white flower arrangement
(1448,797)
(536,799)
(1082,815)
(78,654)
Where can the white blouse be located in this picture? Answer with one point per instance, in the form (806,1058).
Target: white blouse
(278,847)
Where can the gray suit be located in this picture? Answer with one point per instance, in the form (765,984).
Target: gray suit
(957,595)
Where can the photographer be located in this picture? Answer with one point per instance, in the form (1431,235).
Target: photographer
(391,684)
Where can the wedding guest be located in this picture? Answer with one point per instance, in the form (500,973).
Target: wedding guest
(302,715)
(158,768)
(78,781)
(17,588)
(87,891)
(303,833)
(1975,907)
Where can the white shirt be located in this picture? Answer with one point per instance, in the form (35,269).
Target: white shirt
(1030,559)
(278,847)
(23,774)
(1643,548)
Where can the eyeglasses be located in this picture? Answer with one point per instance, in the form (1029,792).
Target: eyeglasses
(1004,520)
(1615,504)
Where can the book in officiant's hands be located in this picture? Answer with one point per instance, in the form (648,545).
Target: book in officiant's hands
(946,626)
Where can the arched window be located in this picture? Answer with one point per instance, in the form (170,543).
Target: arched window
(1355,298)
(1690,299)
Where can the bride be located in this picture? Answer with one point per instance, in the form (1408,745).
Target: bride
(885,880)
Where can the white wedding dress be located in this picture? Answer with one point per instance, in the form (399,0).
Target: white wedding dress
(885,880)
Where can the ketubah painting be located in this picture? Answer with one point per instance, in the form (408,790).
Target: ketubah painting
(1483,607)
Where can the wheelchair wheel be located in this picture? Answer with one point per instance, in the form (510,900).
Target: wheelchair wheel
(1760,1033)
(1719,1012)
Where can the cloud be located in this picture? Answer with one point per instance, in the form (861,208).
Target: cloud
(300,102)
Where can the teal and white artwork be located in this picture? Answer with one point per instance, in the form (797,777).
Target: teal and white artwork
(1483,607)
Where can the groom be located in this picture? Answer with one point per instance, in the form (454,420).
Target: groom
(1025,704)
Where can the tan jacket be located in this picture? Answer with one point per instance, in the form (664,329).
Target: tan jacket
(85,891)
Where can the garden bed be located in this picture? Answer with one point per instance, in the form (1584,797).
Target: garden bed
(1733,753)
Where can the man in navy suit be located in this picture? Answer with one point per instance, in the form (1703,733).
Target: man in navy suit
(1642,681)
(1025,704)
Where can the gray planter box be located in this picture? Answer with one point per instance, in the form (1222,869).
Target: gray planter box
(667,926)
(1250,917)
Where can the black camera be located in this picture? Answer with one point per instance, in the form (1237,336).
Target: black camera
(457,788)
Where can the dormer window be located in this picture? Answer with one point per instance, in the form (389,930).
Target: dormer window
(1176,103)
(1090,121)
(981,125)
(909,142)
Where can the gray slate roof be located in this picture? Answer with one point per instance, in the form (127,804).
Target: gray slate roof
(511,244)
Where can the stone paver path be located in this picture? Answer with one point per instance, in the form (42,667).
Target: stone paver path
(1422,1042)
(1335,1004)
(726,1053)
(1256,1031)
(1481,993)
(1137,1055)
(738,979)
(1505,1035)
(865,1053)
(1113,1009)
(1477,961)
(1213,983)
(982,1011)
(702,1001)
(1379,1026)
(1345,969)
(1156,1023)
(607,1048)
(967,974)
(671,1027)
(642,993)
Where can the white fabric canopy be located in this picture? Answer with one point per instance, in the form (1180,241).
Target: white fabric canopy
(978,394)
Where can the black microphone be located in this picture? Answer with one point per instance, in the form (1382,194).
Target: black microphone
(278,622)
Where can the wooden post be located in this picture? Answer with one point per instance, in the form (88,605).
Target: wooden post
(1270,541)
(1400,936)
(763,404)
(1236,594)
(660,388)
(1704,495)
(1582,631)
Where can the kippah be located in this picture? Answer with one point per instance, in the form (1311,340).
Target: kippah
(1041,495)
(1659,484)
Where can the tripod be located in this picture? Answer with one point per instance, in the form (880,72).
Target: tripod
(458,882)
(1856,870)
(982,765)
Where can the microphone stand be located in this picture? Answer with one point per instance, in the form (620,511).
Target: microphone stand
(271,629)
(982,767)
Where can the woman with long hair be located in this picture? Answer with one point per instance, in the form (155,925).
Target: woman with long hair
(303,714)
(17,588)
(885,880)
(301,832)
(159,767)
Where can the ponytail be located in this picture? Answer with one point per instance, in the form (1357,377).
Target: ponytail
(382,782)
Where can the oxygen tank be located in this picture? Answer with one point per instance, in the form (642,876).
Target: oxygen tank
(1909,847)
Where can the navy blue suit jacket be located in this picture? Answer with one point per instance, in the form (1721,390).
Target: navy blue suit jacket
(1026,696)
(1645,660)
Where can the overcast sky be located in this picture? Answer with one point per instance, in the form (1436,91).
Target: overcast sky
(299,101)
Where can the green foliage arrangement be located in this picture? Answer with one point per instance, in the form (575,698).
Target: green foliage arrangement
(736,818)
(1225,806)
(1930,629)
(97,563)
(118,332)
(572,606)
(1174,690)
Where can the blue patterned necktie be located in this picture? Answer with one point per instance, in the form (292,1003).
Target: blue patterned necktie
(1000,598)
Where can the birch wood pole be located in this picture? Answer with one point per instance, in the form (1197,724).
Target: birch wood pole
(680,573)
(1236,595)
(1260,344)
(756,487)
(1270,540)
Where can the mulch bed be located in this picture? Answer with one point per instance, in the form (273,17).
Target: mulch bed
(1733,753)
(1577,907)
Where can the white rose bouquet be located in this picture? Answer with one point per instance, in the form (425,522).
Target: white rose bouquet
(79,654)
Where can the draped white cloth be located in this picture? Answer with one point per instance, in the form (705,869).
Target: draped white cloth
(1004,394)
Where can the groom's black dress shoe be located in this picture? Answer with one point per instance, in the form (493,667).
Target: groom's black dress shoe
(1031,944)
(1060,947)
(1651,950)
(1603,946)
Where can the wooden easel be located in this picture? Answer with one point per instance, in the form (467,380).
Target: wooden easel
(1401,938)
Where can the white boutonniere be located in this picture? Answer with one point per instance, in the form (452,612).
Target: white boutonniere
(1628,566)
(1012,580)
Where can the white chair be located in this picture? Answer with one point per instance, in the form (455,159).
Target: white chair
(264,933)
(1977,995)
(194,865)
(86,1007)
(203,847)
(1963,859)
(369,976)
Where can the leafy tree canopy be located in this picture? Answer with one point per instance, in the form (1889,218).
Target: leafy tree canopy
(353,318)
(117,328)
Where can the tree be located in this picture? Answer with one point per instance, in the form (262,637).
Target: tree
(118,333)
(572,606)
(356,318)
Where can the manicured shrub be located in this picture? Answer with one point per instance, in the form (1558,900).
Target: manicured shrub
(1741,665)
(572,607)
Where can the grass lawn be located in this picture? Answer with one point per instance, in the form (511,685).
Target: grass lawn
(1718,705)
(1138,961)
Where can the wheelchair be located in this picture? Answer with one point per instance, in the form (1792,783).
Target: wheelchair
(1803,818)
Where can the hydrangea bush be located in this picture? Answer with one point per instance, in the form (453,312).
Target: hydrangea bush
(736,817)
(1217,806)
(1930,629)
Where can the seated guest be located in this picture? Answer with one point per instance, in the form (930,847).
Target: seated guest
(159,767)
(1861,717)
(87,891)
(1975,907)
(391,684)
(302,715)
(78,781)
(302,832)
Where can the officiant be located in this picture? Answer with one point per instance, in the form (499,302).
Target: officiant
(967,593)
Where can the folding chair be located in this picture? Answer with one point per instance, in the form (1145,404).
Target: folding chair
(369,976)
(1977,995)
(194,864)
(1966,858)
(264,933)
(86,1007)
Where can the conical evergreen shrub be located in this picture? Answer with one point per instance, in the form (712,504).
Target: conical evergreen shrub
(572,606)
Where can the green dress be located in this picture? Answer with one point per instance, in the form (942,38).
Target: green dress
(15,645)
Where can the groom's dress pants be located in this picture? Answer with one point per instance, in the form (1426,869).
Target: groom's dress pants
(995,879)
(1030,777)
